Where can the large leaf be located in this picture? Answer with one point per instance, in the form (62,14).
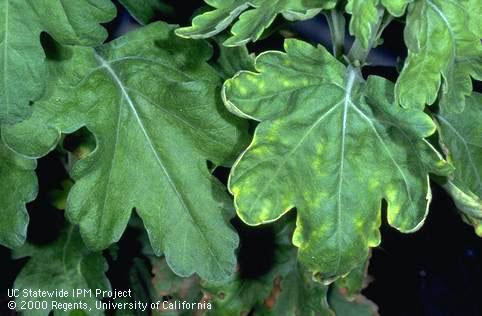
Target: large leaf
(333,147)
(153,104)
(63,265)
(258,15)
(443,50)
(23,72)
(19,186)
(461,138)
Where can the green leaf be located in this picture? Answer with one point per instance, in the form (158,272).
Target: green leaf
(443,50)
(396,7)
(63,265)
(333,147)
(345,296)
(19,186)
(153,104)
(254,17)
(460,136)
(364,16)
(352,284)
(232,59)
(299,295)
(145,11)
(23,74)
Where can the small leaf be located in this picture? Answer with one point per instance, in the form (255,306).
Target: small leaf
(396,7)
(145,11)
(19,186)
(460,135)
(254,17)
(153,104)
(443,50)
(364,16)
(23,74)
(333,147)
(63,265)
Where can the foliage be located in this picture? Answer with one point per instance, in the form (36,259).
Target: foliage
(160,110)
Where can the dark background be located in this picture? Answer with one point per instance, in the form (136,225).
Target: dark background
(436,271)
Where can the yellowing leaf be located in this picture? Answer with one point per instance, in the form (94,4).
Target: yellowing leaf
(332,146)
(444,52)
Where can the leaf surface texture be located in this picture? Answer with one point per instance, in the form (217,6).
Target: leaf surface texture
(65,265)
(153,105)
(19,186)
(254,17)
(23,72)
(444,52)
(460,135)
(332,146)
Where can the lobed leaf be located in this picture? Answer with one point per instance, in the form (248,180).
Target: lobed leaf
(152,103)
(332,146)
(18,185)
(65,264)
(460,135)
(23,74)
(364,16)
(254,17)
(444,51)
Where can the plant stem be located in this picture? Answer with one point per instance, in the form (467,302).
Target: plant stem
(336,22)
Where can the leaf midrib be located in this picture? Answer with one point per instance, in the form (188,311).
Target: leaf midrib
(170,180)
